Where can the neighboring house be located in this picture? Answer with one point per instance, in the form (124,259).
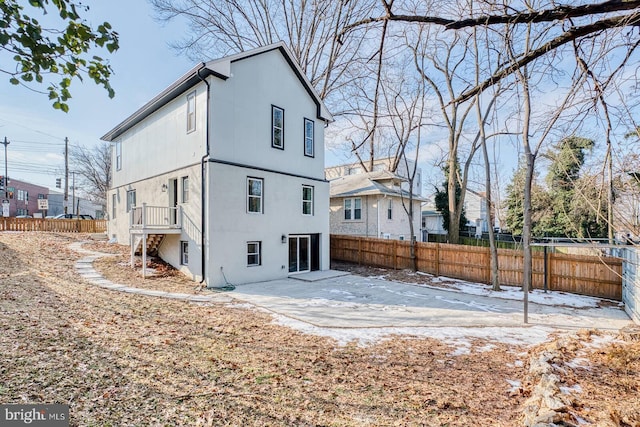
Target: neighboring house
(23,197)
(476,211)
(403,170)
(431,223)
(222,173)
(82,206)
(373,204)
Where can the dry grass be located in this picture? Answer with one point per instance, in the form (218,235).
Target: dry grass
(123,359)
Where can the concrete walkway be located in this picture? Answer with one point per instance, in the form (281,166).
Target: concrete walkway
(340,300)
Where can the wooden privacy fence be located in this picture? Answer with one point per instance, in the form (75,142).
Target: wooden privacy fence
(54,225)
(598,276)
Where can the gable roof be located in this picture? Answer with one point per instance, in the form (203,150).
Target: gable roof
(370,183)
(220,68)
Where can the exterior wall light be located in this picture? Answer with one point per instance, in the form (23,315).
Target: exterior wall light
(284,239)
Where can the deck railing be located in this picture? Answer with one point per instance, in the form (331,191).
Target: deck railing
(158,217)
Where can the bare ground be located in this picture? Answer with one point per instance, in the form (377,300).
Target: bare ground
(123,359)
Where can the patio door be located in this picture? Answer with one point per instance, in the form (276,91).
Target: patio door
(299,254)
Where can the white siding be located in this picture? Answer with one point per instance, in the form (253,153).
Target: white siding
(241,117)
(231,227)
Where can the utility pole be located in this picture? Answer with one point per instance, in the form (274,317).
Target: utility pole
(66,174)
(6,176)
(73,189)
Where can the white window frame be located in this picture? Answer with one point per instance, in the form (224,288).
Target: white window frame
(131,203)
(307,203)
(254,249)
(390,210)
(309,133)
(350,209)
(184,252)
(118,155)
(185,189)
(277,127)
(191,112)
(259,197)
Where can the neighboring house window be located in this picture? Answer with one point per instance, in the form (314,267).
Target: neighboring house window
(184,253)
(41,196)
(191,112)
(254,256)
(185,189)
(307,200)
(254,195)
(353,209)
(20,194)
(114,199)
(118,155)
(277,127)
(131,199)
(390,209)
(401,237)
(308,137)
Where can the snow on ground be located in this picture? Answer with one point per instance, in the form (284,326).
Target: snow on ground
(537,296)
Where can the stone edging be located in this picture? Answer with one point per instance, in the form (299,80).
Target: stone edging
(85,268)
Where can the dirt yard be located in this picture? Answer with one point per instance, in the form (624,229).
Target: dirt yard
(123,359)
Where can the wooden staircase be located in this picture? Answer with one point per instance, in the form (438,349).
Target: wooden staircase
(153,242)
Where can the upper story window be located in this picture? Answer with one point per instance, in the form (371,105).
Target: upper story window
(390,209)
(185,189)
(254,195)
(353,209)
(21,194)
(307,200)
(131,199)
(41,196)
(308,137)
(191,112)
(118,155)
(277,127)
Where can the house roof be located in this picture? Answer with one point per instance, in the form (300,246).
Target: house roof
(369,183)
(220,68)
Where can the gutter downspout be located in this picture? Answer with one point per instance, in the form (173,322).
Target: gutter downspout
(202,178)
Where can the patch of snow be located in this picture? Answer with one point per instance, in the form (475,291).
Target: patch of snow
(515,385)
(573,389)
(537,296)
(578,362)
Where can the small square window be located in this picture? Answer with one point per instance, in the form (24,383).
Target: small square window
(254,254)
(254,195)
(308,137)
(191,112)
(184,253)
(277,127)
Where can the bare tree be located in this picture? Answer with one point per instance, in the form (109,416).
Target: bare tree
(94,167)
(309,28)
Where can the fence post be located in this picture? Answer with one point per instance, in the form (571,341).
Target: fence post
(395,254)
(359,250)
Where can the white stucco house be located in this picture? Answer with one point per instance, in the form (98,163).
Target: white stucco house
(222,173)
(372,204)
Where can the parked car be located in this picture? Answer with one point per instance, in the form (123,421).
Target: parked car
(73,216)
